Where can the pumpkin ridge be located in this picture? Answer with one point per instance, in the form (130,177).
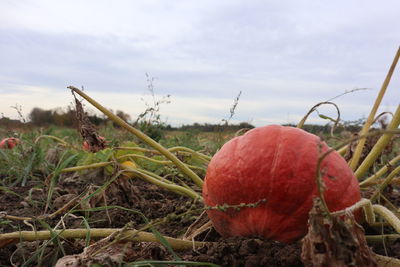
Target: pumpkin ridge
(275,161)
(265,223)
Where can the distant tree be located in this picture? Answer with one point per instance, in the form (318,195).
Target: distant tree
(246,125)
(41,117)
(123,115)
(8,123)
(96,120)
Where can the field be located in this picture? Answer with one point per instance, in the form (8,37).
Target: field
(39,197)
(123,198)
(30,189)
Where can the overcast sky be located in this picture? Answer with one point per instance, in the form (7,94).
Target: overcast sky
(285,56)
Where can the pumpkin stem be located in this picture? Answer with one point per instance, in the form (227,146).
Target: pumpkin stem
(61,141)
(314,108)
(130,235)
(319,180)
(370,211)
(149,176)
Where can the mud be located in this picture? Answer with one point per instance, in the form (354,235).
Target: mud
(249,252)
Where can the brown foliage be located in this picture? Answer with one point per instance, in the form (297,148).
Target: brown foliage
(335,241)
(87,129)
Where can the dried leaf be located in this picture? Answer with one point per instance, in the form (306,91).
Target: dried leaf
(100,252)
(335,242)
(108,253)
(87,129)
(369,144)
(201,225)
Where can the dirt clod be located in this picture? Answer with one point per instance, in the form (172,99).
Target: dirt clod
(240,251)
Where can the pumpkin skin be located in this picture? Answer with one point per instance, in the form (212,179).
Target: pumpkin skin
(277,164)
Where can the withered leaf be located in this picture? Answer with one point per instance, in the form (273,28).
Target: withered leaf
(335,241)
(87,129)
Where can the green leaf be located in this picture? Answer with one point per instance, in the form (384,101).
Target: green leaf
(62,164)
(326,117)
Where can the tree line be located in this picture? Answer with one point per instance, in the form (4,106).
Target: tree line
(67,118)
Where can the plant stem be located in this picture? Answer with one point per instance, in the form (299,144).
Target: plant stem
(195,178)
(172,149)
(382,238)
(388,216)
(314,108)
(363,203)
(387,181)
(130,235)
(342,151)
(357,153)
(52,137)
(379,146)
(86,167)
(319,181)
(170,186)
(182,148)
(155,176)
(379,173)
(369,212)
(387,261)
(166,162)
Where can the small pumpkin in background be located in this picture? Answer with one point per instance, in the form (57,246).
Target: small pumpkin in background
(9,143)
(128,165)
(86,146)
(276,164)
(122,156)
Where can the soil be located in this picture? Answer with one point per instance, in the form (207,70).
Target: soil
(154,203)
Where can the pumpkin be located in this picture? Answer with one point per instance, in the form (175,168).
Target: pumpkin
(86,146)
(277,165)
(9,143)
(126,165)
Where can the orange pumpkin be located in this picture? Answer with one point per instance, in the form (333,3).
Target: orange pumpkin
(276,164)
(9,143)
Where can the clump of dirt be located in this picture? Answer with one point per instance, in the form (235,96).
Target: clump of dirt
(390,249)
(241,251)
(22,201)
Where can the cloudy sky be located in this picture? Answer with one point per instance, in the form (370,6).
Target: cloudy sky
(285,56)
